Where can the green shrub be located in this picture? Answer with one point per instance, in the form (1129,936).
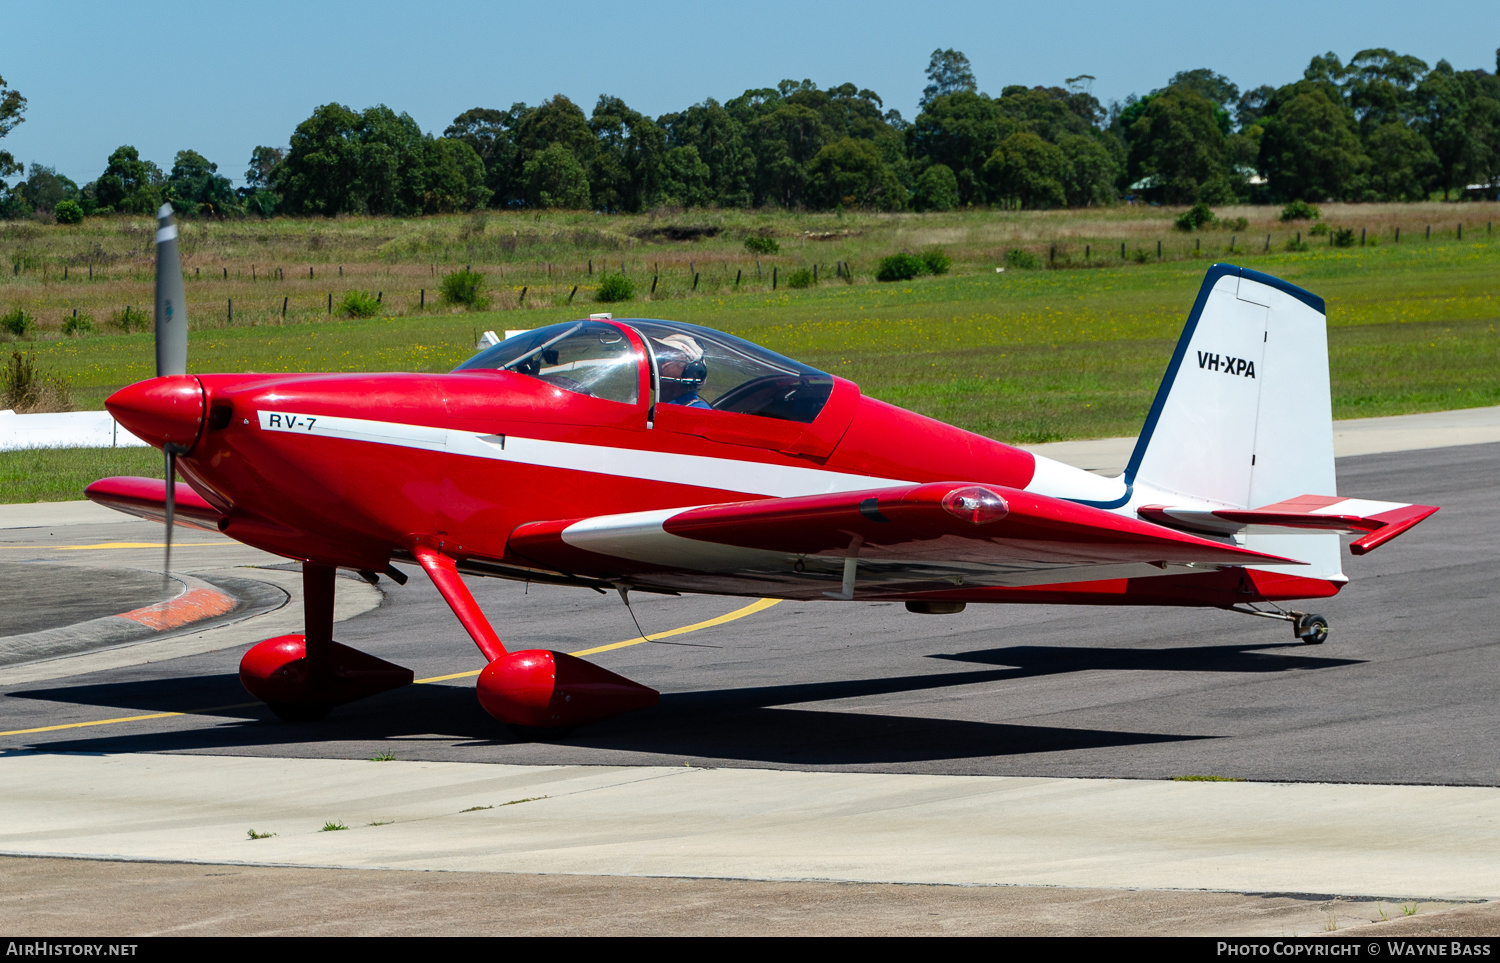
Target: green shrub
(1318,229)
(1300,211)
(131,319)
(78,324)
(17,323)
(1140,255)
(900,267)
(937,260)
(1343,237)
(25,388)
(68,212)
(1296,245)
(359,304)
(1025,260)
(465,289)
(762,245)
(1195,217)
(800,278)
(1232,223)
(614,287)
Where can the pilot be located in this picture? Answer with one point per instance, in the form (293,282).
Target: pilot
(679,359)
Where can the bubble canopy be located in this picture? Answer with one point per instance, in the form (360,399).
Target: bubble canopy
(721,372)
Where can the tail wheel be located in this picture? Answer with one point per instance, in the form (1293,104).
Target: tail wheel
(1312,629)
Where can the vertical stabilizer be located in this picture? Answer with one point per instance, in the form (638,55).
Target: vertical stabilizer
(1244,415)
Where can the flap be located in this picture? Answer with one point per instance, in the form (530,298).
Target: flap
(1378,522)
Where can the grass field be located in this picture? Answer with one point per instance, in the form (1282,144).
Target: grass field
(1023,356)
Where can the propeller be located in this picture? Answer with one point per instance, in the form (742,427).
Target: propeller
(171,342)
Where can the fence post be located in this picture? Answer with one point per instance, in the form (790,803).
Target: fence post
(1085,252)
(231,310)
(773,278)
(737,273)
(1268,242)
(1398,235)
(1361,237)
(815,274)
(283,308)
(421,307)
(571,293)
(1460,230)
(330,303)
(591,267)
(1231,245)
(1429,232)
(757,267)
(695,280)
(654,279)
(379,297)
(309,272)
(1158,249)
(1052,254)
(522,299)
(1122,250)
(226,274)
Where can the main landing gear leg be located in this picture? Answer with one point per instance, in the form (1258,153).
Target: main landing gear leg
(1310,628)
(538,692)
(301,677)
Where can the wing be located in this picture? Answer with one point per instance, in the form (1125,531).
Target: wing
(1377,522)
(147,498)
(890,541)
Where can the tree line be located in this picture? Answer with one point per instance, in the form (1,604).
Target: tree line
(1382,127)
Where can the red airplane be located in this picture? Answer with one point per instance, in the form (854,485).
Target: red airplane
(655,456)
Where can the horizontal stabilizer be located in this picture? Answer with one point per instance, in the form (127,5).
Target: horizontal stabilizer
(1377,522)
(147,498)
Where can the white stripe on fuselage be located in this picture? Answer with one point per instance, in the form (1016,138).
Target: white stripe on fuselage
(700,471)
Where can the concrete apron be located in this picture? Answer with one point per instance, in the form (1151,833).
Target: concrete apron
(1356,436)
(1423,842)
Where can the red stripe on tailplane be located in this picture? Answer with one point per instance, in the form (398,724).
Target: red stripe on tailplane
(1322,513)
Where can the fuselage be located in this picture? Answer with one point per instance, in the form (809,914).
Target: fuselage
(353,470)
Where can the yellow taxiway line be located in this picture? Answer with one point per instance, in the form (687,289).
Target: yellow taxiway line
(759,605)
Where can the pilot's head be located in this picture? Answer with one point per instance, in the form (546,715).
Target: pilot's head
(679,358)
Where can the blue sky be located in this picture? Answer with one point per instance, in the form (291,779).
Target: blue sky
(221,79)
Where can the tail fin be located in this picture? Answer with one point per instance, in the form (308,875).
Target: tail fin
(1244,416)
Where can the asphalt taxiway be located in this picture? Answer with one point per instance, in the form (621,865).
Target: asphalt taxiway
(1030,746)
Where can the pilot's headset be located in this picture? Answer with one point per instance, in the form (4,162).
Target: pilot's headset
(694,369)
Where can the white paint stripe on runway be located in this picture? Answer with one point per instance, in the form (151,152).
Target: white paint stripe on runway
(759,824)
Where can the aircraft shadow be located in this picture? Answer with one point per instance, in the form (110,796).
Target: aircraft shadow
(1031,660)
(752,724)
